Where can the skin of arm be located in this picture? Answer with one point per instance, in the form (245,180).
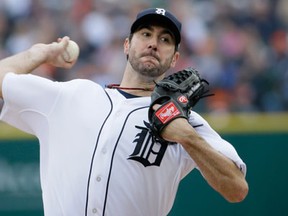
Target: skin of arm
(28,60)
(219,171)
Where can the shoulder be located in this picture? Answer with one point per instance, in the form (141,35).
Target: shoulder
(34,80)
(83,83)
(24,79)
(28,85)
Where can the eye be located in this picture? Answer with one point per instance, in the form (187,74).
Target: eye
(166,39)
(146,34)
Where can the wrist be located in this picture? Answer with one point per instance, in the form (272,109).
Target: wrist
(180,131)
(37,54)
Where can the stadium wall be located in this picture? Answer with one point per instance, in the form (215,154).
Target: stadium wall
(260,139)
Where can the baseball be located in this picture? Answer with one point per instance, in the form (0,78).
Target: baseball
(72,52)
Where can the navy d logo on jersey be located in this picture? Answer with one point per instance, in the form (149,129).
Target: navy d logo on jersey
(147,151)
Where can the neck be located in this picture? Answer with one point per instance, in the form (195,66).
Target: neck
(137,91)
(117,86)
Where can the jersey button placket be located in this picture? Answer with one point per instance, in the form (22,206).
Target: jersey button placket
(97,188)
(100,171)
(98,178)
(94,210)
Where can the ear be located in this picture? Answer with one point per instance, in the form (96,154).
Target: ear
(175,59)
(126,46)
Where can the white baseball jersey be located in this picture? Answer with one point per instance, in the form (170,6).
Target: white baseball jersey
(96,154)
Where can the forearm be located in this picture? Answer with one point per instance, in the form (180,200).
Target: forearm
(26,61)
(23,62)
(219,171)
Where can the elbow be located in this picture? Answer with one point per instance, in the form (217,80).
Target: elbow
(238,194)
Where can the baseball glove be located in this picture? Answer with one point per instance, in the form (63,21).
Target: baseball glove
(176,94)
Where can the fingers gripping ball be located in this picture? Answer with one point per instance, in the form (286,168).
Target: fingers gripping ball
(72,52)
(176,94)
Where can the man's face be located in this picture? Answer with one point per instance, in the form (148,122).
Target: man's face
(151,51)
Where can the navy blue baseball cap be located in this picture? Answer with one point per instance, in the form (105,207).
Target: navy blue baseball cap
(158,15)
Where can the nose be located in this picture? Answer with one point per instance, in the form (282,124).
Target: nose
(153,44)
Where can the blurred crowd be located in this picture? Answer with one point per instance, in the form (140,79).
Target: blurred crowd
(240,47)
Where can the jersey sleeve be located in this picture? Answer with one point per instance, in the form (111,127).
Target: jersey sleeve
(27,98)
(216,141)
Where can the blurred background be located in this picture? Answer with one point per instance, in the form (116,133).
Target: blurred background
(240,47)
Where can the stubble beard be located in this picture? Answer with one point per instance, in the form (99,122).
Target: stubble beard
(148,69)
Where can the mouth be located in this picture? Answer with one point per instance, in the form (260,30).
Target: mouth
(151,56)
